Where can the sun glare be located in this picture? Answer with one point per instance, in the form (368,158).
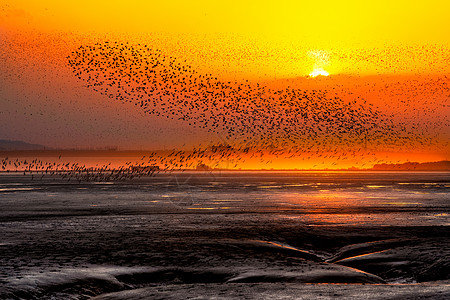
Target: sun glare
(318,72)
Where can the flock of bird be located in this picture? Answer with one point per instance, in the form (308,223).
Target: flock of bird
(203,158)
(249,113)
(276,121)
(39,169)
(252,119)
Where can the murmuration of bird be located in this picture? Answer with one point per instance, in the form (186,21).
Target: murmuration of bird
(249,113)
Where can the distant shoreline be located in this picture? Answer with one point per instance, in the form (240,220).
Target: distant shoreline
(259,170)
(440,166)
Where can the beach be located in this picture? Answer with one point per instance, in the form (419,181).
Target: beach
(254,235)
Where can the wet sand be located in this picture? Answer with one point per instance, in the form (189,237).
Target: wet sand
(132,241)
(285,291)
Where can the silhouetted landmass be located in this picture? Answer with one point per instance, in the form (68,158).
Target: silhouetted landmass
(8,145)
(414,166)
(172,159)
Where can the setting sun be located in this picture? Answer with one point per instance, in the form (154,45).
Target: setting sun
(318,72)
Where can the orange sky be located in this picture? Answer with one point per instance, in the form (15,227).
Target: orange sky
(287,37)
(393,55)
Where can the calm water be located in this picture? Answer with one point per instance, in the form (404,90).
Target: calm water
(56,234)
(339,198)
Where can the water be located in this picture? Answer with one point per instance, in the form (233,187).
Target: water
(76,240)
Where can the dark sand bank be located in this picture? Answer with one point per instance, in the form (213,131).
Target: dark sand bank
(236,238)
(285,291)
(91,257)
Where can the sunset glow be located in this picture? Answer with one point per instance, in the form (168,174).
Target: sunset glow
(163,75)
(318,72)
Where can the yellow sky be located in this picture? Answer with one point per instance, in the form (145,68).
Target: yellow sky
(343,22)
(278,38)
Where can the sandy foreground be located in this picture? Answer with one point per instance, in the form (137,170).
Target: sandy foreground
(79,265)
(285,291)
(132,241)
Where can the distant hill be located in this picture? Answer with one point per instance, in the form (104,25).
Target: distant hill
(414,166)
(7,145)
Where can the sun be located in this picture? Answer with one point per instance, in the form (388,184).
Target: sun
(318,72)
